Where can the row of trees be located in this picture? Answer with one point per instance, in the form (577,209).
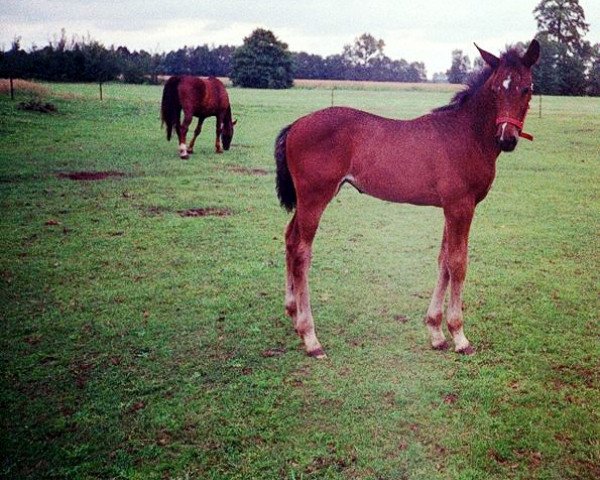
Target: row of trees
(86,60)
(569,64)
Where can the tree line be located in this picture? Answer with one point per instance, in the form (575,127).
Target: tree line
(86,60)
(569,65)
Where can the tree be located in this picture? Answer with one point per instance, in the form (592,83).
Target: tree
(262,62)
(365,50)
(308,66)
(563,21)
(460,67)
(440,77)
(100,64)
(594,73)
(13,64)
(546,77)
(566,55)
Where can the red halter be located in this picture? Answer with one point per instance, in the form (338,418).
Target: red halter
(516,123)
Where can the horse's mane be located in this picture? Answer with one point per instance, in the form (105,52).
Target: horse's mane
(477,78)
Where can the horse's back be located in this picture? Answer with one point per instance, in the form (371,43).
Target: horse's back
(204,96)
(395,160)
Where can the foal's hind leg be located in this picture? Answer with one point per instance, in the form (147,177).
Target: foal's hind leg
(290,297)
(301,234)
(433,320)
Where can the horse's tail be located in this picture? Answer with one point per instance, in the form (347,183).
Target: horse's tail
(170,107)
(285,186)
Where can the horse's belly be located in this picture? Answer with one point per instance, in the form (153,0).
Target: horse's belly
(409,188)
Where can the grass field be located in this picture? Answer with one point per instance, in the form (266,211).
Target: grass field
(141,343)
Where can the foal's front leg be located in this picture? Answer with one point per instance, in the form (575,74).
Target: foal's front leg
(458,222)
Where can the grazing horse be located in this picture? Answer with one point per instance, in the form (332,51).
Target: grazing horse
(197,97)
(445,159)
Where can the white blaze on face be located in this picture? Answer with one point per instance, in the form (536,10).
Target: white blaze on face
(506,83)
(503,128)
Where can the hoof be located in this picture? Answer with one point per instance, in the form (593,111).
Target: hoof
(318,353)
(441,346)
(184,157)
(468,350)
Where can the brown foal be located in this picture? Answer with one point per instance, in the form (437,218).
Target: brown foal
(446,159)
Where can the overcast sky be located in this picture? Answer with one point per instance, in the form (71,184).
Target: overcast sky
(415,30)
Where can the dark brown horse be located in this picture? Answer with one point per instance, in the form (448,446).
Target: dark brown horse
(446,159)
(197,97)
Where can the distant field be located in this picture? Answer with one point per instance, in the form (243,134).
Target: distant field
(360,85)
(143,334)
(350,84)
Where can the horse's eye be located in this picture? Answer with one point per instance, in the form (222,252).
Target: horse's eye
(525,90)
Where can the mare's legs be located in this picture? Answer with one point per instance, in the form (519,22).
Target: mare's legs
(433,320)
(458,222)
(218,148)
(196,133)
(183,129)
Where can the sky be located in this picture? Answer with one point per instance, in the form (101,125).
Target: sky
(424,31)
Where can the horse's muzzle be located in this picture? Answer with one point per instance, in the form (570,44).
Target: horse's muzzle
(507,144)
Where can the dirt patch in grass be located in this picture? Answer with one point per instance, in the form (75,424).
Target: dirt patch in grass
(38,106)
(575,374)
(205,212)
(90,175)
(450,398)
(273,352)
(249,171)
(333,460)
(153,210)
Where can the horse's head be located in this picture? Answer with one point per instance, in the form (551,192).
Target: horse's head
(511,86)
(227,133)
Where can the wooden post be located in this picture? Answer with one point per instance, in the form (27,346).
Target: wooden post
(540,111)
(100,91)
(332,90)
(12,89)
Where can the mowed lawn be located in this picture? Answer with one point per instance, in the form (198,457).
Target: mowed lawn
(140,342)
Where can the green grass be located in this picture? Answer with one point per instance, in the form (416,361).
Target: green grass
(136,343)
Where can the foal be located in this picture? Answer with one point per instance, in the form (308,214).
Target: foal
(446,159)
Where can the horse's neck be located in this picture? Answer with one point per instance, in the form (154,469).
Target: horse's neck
(482,113)
(228,120)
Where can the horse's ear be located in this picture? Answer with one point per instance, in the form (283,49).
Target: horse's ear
(532,54)
(492,60)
